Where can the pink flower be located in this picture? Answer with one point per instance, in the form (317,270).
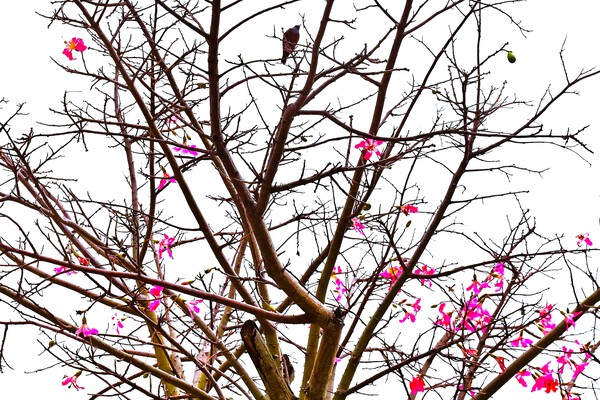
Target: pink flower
(578,369)
(154,305)
(583,237)
(183,150)
(546,319)
(165,245)
(545,381)
(358,226)
(72,381)
(370,146)
(519,376)
(339,285)
(75,44)
(521,341)
(84,330)
(166,179)
(337,360)
(412,316)
(570,319)
(564,359)
(477,286)
(156,291)
(417,385)
(445,320)
(475,317)
(193,306)
(62,268)
(409,209)
(425,270)
(498,274)
(392,274)
(117,323)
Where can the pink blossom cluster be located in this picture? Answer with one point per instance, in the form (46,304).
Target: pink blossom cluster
(495,277)
(340,288)
(472,317)
(416,306)
(156,292)
(186,150)
(358,226)
(165,245)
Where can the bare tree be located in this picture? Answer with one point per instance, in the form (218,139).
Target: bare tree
(225,219)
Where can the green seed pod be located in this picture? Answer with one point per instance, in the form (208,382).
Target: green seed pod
(511,57)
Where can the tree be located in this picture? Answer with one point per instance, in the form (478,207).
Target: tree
(252,218)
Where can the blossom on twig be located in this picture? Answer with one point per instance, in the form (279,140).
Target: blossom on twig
(75,44)
(370,147)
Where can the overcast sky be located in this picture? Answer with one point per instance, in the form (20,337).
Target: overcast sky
(568,196)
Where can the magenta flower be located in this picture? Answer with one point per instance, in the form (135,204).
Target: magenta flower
(546,381)
(370,147)
(84,330)
(425,270)
(154,305)
(570,319)
(409,209)
(578,369)
(63,269)
(117,323)
(521,341)
(417,385)
(72,381)
(392,273)
(546,319)
(498,274)
(358,226)
(340,289)
(475,317)
(193,306)
(477,286)
(564,359)
(156,291)
(412,315)
(76,44)
(165,245)
(520,377)
(184,150)
(445,320)
(583,237)
(166,179)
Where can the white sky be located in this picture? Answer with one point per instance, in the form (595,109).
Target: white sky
(566,200)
